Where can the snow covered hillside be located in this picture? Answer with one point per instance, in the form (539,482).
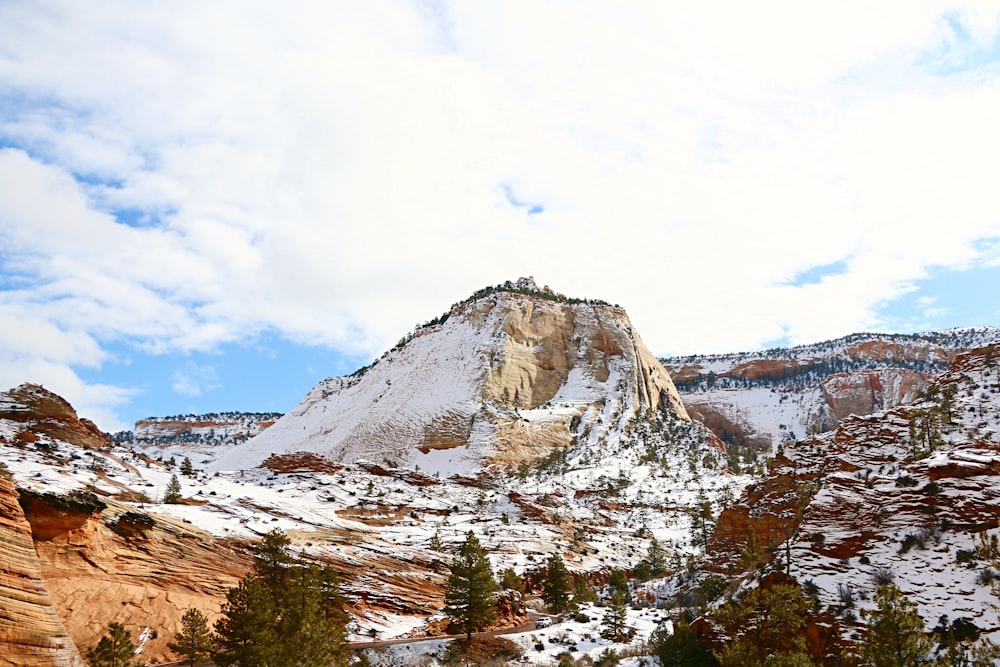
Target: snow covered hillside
(540,423)
(503,378)
(762,399)
(907,495)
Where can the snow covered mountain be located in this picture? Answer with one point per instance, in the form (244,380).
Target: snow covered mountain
(762,399)
(504,377)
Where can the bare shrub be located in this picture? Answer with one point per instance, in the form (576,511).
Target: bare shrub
(882,576)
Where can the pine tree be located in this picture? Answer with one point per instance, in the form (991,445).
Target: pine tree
(656,559)
(702,520)
(305,635)
(435,543)
(114,650)
(172,494)
(582,591)
(680,648)
(511,581)
(272,561)
(469,596)
(285,613)
(246,634)
(618,582)
(895,635)
(613,623)
(555,588)
(186,467)
(194,641)
(768,625)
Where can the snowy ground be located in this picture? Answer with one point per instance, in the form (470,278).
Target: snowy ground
(544,646)
(598,506)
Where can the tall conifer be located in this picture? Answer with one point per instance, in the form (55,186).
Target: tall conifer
(557,584)
(470,595)
(194,641)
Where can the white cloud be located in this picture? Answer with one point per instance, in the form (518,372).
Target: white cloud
(193,379)
(337,174)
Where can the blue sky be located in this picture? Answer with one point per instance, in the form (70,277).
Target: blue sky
(212,207)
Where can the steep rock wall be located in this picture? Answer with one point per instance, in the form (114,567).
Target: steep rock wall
(31,633)
(141,575)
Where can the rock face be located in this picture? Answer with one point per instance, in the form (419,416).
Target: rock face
(865,392)
(103,562)
(39,411)
(504,377)
(31,633)
(898,495)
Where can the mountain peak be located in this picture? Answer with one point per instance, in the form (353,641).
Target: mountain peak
(499,379)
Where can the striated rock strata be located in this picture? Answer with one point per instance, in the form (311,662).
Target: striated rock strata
(899,495)
(103,562)
(39,411)
(31,633)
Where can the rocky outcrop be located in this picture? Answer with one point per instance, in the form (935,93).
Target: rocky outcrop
(215,429)
(102,562)
(31,632)
(883,497)
(756,399)
(865,392)
(502,378)
(727,424)
(42,413)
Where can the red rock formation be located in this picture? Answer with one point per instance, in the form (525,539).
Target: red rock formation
(865,392)
(726,428)
(31,633)
(43,412)
(98,570)
(856,500)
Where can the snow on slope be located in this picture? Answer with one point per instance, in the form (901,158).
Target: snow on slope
(507,376)
(903,495)
(597,506)
(376,415)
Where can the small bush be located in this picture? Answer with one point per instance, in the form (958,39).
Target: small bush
(712,588)
(482,650)
(987,576)
(608,658)
(846,594)
(966,556)
(905,480)
(882,576)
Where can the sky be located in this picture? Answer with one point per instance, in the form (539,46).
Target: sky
(213,206)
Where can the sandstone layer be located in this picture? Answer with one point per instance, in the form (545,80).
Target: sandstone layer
(898,495)
(142,574)
(42,412)
(31,632)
